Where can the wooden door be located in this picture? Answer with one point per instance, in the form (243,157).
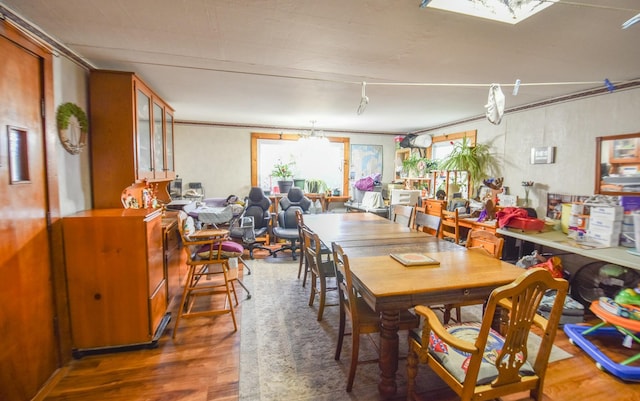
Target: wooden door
(29,351)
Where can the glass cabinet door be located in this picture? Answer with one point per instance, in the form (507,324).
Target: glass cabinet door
(169,144)
(158,141)
(143,134)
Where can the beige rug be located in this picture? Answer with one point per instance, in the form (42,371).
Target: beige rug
(286,354)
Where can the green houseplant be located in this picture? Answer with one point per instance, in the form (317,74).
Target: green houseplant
(316,186)
(477,160)
(284,173)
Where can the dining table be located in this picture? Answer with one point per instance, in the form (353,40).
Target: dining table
(388,286)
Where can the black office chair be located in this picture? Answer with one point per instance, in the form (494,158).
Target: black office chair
(254,222)
(287,227)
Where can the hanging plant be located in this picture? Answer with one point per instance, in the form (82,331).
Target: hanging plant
(477,160)
(69,137)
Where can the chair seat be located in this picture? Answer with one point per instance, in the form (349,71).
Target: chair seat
(230,249)
(456,361)
(287,233)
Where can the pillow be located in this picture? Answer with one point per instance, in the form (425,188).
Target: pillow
(189,226)
(230,249)
(456,362)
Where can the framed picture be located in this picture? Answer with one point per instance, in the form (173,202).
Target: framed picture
(365,160)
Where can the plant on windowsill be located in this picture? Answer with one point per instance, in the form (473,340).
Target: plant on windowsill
(316,186)
(284,173)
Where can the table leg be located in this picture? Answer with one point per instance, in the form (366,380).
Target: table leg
(389,345)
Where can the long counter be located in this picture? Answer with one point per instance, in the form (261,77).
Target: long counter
(558,240)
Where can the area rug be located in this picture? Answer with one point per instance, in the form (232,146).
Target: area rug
(286,354)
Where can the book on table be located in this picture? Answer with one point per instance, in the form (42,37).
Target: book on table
(414,259)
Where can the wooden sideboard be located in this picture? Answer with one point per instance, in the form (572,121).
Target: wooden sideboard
(116,278)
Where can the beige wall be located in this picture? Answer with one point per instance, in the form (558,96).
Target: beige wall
(70,85)
(571,127)
(220,158)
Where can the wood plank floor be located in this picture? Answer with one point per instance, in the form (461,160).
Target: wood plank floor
(202,364)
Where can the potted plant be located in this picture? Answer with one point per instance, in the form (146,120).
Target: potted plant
(410,164)
(284,173)
(316,186)
(477,160)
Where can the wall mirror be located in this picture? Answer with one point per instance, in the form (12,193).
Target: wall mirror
(618,164)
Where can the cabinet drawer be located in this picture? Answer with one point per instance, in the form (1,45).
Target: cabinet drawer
(157,306)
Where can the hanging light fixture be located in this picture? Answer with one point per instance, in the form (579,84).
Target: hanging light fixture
(314,136)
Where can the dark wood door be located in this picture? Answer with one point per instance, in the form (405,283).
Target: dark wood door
(29,351)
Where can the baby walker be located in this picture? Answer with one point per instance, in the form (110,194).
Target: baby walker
(620,318)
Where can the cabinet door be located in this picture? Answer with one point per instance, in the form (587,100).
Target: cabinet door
(143,134)
(158,142)
(170,168)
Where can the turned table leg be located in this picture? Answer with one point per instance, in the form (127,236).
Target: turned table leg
(388,353)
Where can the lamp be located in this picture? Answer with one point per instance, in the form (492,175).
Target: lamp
(314,136)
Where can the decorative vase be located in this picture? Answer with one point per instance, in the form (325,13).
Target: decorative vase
(285,186)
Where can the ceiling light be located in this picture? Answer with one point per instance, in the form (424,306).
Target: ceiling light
(314,136)
(508,11)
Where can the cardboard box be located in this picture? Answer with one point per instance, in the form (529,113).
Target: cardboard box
(601,224)
(611,213)
(605,238)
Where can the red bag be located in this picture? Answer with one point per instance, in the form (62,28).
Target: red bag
(554,265)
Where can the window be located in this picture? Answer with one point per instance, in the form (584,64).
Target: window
(323,161)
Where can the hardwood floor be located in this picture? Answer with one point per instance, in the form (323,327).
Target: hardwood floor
(203,364)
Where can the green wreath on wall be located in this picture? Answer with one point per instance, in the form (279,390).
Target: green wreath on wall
(72,132)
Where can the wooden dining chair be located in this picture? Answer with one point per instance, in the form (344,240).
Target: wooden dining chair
(321,270)
(363,319)
(324,250)
(477,362)
(402,214)
(423,221)
(205,259)
(483,241)
(449,225)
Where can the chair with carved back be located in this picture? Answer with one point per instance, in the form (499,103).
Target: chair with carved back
(363,319)
(402,214)
(449,225)
(480,241)
(422,221)
(321,270)
(478,363)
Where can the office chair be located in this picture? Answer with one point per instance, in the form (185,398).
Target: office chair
(254,222)
(287,227)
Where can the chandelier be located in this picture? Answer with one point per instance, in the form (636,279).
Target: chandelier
(314,136)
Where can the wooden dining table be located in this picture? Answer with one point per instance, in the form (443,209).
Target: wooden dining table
(389,287)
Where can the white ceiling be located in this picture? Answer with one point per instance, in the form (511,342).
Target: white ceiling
(283,63)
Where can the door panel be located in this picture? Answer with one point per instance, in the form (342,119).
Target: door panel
(28,355)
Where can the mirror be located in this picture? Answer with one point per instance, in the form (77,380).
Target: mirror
(618,164)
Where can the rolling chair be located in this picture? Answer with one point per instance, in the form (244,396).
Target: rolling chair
(254,222)
(287,227)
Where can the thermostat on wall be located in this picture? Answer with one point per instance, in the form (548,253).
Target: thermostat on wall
(544,155)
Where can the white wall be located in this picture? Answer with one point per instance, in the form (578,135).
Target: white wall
(571,127)
(70,84)
(220,158)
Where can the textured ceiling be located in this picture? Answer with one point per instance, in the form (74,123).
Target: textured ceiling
(283,63)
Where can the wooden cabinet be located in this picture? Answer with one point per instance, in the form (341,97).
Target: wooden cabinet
(434,206)
(131,136)
(115,276)
(174,259)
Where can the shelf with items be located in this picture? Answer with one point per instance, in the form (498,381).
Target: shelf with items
(446,179)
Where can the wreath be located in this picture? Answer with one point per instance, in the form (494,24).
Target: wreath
(71,140)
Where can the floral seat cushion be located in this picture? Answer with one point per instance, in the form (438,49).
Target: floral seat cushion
(456,361)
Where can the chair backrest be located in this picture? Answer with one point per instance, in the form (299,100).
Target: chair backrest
(449,225)
(347,293)
(522,299)
(423,221)
(486,240)
(295,200)
(403,214)
(313,253)
(257,206)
